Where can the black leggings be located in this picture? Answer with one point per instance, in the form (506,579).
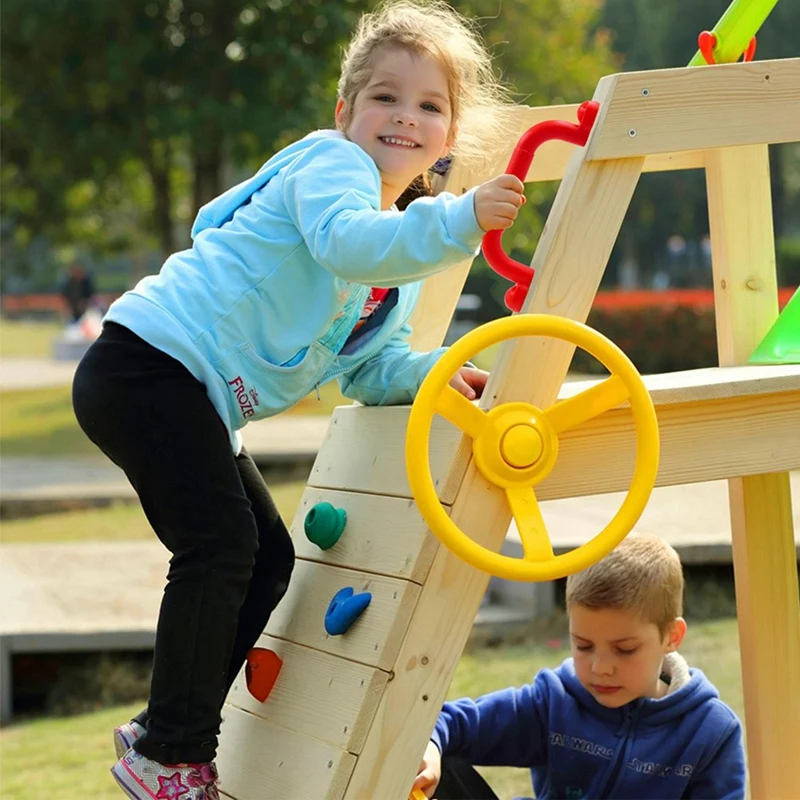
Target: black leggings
(461,781)
(232,556)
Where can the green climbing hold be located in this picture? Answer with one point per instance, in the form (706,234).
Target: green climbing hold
(324,525)
(781,345)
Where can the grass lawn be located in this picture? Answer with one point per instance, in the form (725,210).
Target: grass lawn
(69,757)
(28,338)
(41,422)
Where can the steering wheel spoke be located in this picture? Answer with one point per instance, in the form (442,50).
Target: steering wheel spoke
(530,523)
(455,408)
(584,406)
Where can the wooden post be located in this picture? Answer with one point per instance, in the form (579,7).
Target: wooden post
(745,290)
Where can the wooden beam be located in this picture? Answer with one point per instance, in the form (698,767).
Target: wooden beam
(670,110)
(374,638)
(384,535)
(743,260)
(552,158)
(708,432)
(329,698)
(259,760)
(569,263)
(711,383)
(706,441)
(583,225)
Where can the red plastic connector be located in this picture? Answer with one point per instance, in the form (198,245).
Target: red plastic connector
(707,41)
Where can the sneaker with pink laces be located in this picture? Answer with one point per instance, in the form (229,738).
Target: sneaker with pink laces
(125,735)
(144,779)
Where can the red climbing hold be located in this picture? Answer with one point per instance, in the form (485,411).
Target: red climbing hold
(261,672)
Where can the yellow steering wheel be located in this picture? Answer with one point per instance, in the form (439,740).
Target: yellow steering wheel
(515,446)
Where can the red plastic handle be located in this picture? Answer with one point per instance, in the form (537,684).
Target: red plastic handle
(520,163)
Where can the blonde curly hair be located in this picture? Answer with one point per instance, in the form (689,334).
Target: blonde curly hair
(432,27)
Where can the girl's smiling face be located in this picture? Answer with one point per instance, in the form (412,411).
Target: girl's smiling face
(618,657)
(402,117)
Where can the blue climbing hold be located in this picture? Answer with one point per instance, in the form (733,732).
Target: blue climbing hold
(344,609)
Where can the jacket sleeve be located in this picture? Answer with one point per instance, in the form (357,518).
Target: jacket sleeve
(332,195)
(392,376)
(504,728)
(723,776)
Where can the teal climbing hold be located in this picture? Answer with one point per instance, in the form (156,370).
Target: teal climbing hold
(324,525)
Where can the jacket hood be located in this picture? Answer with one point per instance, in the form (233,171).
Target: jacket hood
(218,211)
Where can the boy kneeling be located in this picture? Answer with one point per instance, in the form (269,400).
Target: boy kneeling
(625,717)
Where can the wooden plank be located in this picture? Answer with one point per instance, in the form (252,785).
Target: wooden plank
(711,383)
(439,296)
(726,105)
(743,249)
(317,695)
(765,567)
(709,430)
(364,451)
(385,535)
(551,159)
(258,760)
(700,442)
(374,638)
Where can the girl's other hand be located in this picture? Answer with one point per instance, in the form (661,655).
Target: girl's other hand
(470,382)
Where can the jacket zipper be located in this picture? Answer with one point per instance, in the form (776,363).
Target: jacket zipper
(630,719)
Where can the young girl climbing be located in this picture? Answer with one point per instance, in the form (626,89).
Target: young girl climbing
(304,273)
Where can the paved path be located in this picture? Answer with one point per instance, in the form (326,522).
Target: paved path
(34,373)
(693,518)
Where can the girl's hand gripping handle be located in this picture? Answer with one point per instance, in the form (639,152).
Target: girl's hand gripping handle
(519,165)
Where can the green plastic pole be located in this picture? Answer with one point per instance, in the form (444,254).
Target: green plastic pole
(736,27)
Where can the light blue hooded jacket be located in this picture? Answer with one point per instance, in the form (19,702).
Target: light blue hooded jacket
(280,267)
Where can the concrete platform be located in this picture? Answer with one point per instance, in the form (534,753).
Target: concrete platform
(77,597)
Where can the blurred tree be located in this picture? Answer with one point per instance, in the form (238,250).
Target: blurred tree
(121,118)
(175,86)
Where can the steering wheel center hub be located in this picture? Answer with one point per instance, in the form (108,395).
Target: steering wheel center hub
(521,446)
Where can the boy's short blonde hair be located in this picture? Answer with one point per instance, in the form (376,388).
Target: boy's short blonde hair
(642,574)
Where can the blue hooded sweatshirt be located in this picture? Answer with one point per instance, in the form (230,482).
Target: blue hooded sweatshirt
(687,744)
(259,308)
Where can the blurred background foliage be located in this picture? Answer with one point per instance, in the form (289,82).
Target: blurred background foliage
(120,119)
